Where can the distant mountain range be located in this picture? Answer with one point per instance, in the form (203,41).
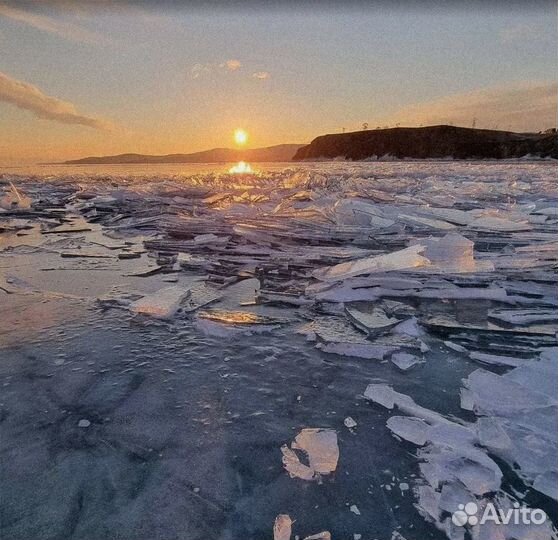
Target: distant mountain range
(430,142)
(281,152)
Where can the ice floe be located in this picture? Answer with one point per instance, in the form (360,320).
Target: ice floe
(162,304)
(282,527)
(319,446)
(399,260)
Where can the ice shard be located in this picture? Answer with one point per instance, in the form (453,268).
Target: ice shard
(321,450)
(399,260)
(162,304)
(282,527)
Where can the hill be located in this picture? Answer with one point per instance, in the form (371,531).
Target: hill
(430,142)
(281,152)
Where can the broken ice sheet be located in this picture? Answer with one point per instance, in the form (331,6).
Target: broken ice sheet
(146,269)
(188,260)
(387,397)
(451,453)
(551,211)
(201,294)
(428,503)
(282,527)
(405,361)
(86,253)
(456,470)
(335,335)
(324,535)
(503,396)
(452,253)
(360,213)
(490,223)
(369,318)
(433,223)
(117,299)
(398,260)
(496,360)
(452,215)
(448,324)
(521,410)
(491,433)
(524,316)
(162,304)
(13,199)
(408,428)
(547,483)
(452,495)
(210,239)
(319,447)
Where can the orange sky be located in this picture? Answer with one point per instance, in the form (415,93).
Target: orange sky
(96,82)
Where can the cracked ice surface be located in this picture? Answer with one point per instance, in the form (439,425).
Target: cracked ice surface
(170,343)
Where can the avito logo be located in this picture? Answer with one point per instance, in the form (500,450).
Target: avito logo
(467,514)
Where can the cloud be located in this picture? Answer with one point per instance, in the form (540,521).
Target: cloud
(198,70)
(28,97)
(44,23)
(231,65)
(527,106)
(262,75)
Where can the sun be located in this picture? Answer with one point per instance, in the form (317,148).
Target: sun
(240,137)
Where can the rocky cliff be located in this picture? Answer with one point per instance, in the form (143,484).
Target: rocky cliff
(430,142)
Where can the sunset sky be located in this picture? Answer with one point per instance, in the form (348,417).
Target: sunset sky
(91,78)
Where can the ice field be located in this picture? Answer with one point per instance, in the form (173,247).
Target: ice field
(346,349)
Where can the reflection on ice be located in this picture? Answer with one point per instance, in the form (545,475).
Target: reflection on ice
(241,168)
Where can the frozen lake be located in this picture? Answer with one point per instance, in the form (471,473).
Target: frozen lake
(166,331)
(165,170)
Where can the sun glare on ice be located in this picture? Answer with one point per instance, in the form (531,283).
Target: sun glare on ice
(241,168)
